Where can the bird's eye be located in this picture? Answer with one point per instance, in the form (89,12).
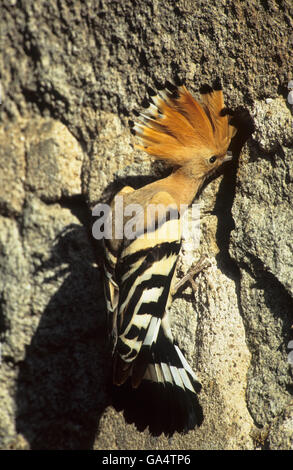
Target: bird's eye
(213,159)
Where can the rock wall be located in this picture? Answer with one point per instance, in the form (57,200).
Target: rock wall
(71,74)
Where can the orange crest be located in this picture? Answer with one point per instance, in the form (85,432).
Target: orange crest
(177,128)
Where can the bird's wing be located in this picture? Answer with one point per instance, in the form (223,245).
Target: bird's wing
(155,382)
(177,128)
(144,274)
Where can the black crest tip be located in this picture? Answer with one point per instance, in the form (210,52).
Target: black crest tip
(179,81)
(205,89)
(217,85)
(159,85)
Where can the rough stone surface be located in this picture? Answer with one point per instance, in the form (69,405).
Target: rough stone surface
(261,244)
(71,74)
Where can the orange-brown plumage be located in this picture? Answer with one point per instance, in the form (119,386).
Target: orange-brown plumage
(154,383)
(179,129)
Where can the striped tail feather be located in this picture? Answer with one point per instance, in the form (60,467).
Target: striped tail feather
(165,398)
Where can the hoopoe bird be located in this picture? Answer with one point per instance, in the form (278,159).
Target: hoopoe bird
(153,381)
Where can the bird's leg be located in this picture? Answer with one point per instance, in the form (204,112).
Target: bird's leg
(193,270)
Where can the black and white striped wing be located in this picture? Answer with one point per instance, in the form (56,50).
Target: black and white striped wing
(146,359)
(144,273)
(144,279)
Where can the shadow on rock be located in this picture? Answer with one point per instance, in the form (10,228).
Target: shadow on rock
(62,382)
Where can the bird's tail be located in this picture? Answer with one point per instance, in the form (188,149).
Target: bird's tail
(166,398)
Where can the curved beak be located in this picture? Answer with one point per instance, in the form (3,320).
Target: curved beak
(228,157)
